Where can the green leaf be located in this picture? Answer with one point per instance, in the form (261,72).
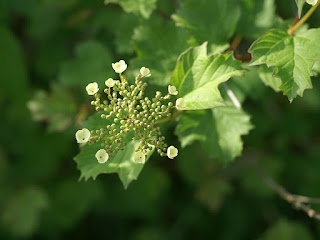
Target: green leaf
(159,51)
(316,69)
(141,7)
(197,77)
(256,18)
(22,212)
(207,20)
(300,6)
(218,129)
(268,79)
(92,64)
(58,108)
(285,229)
(122,163)
(292,57)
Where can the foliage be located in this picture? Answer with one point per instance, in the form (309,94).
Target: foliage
(235,63)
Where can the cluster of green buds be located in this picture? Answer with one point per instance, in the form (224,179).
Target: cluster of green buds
(130,112)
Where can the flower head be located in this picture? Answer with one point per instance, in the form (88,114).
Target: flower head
(172,152)
(92,88)
(139,157)
(102,156)
(180,103)
(312,2)
(145,72)
(172,90)
(83,135)
(110,82)
(119,67)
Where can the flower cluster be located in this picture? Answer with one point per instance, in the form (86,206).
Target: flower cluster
(130,113)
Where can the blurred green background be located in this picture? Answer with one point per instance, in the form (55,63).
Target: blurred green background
(50,50)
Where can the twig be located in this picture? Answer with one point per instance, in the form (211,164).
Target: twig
(298,201)
(232,96)
(162,14)
(294,27)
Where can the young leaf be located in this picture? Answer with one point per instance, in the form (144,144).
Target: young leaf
(121,163)
(142,7)
(197,76)
(292,57)
(300,6)
(218,129)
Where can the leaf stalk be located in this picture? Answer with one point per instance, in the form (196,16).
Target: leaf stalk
(302,20)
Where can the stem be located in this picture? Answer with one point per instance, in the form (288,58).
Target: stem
(172,116)
(298,201)
(295,20)
(232,96)
(302,20)
(235,43)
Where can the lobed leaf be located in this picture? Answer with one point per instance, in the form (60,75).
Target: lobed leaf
(121,163)
(218,129)
(292,57)
(141,7)
(197,77)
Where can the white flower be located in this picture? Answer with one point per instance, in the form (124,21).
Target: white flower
(92,88)
(110,82)
(139,157)
(119,67)
(172,90)
(172,152)
(180,103)
(312,2)
(102,156)
(83,135)
(145,72)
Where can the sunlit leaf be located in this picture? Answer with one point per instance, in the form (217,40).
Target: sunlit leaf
(197,77)
(121,163)
(292,57)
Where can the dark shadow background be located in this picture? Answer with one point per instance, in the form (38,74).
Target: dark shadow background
(49,50)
